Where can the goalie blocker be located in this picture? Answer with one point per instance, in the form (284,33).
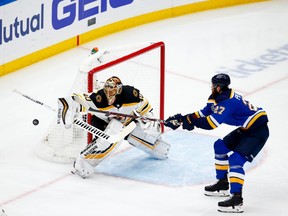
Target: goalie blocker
(98,150)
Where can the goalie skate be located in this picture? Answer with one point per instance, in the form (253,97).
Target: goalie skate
(82,168)
(76,172)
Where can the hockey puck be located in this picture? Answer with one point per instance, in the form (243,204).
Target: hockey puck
(35,122)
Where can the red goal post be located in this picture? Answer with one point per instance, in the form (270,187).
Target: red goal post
(154,46)
(140,65)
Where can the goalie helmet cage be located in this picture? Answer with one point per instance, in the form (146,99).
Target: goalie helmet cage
(139,65)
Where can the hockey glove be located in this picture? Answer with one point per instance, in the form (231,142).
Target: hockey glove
(174,121)
(187,122)
(149,127)
(67,110)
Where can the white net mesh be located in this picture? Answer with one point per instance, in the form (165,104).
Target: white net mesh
(136,65)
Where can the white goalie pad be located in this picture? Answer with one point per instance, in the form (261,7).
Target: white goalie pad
(153,145)
(97,151)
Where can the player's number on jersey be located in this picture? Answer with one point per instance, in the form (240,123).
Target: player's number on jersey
(251,106)
(219,110)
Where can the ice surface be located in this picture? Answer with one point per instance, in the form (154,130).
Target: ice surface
(129,182)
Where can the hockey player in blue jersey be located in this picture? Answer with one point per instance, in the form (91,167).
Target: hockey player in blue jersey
(235,149)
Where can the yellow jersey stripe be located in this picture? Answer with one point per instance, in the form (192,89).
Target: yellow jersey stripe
(211,101)
(231,94)
(197,114)
(248,124)
(211,123)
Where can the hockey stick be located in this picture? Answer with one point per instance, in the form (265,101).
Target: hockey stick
(108,113)
(34,100)
(89,128)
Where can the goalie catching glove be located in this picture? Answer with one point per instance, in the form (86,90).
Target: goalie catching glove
(175,122)
(148,126)
(67,111)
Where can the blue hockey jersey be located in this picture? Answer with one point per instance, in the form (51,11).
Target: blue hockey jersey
(229,108)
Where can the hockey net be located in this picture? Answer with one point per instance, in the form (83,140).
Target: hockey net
(139,65)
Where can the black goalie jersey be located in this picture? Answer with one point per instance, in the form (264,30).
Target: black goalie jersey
(128,100)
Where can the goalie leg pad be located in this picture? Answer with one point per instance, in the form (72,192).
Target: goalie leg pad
(154,146)
(97,151)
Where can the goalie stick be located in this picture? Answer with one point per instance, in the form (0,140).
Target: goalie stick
(89,128)
(108,113)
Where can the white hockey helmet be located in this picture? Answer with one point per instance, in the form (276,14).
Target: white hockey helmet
(112,87)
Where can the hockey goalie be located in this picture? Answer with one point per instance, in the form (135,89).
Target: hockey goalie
(116,98)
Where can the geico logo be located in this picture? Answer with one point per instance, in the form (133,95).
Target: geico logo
(64,12)
(21,27)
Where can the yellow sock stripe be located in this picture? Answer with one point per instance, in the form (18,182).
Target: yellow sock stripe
(221,167)
(236,180)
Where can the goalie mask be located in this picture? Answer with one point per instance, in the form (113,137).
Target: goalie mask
(112,87)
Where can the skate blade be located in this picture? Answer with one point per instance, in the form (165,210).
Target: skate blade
(231,209)
(76,172)
(221,193)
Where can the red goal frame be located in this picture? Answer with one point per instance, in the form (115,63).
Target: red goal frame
(157,45)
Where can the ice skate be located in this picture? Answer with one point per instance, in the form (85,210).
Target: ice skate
(232,205)
(219,189)
(82,168)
